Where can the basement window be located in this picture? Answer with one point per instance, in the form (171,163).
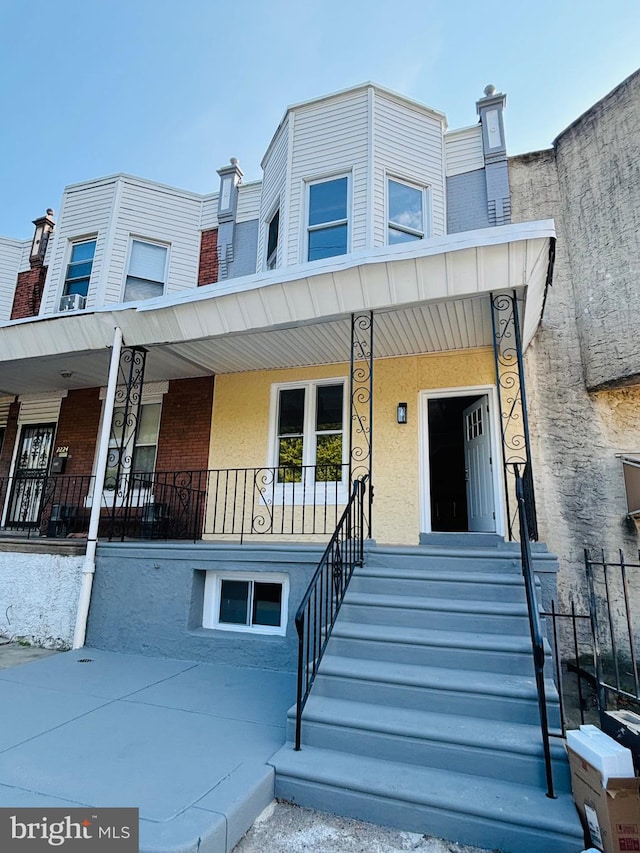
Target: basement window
(240,601)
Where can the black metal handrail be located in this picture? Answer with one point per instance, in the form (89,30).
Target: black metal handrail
(537,637)
(321,602)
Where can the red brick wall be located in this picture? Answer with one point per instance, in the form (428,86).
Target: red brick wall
(78,429)
(28,295)
(9,440)
(208,270)
(185,425)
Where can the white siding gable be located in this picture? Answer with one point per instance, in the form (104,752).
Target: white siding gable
(408,144)
(463,150)
(274,186)
(11,263)
(249,201)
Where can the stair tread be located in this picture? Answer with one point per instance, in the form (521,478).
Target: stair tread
(427,725)
(454,605)
(400,573)
(443,678)
(466,794)
(471,640)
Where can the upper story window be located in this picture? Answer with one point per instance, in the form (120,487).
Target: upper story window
(76,281)
(272,240)
(147,271)
(406,212)
(327,229)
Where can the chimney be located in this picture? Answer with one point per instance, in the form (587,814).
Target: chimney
(44,226)
(230,179)
(490,109)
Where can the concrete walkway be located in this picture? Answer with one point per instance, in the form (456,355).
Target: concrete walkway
(186,743)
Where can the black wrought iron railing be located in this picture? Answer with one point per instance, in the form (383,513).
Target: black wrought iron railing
(535,626)
(319,607)
(233,503)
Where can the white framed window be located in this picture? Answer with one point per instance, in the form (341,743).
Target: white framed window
(139,438)
(242,601)
(273,233)
(308,447)
(78,275)
(146,272)
(327,218)
(407,211)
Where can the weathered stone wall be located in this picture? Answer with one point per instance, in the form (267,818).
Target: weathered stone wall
(575,434)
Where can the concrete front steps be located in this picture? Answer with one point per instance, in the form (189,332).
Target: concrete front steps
(424,714)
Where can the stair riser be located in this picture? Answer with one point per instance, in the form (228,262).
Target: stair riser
(445,620)
(463,758)
(423,819)
(510,663)
(425,587)
(486,706)
(448,563)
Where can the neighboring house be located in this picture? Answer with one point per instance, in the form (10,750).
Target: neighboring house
(195,381)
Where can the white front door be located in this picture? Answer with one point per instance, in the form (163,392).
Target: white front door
(478,467)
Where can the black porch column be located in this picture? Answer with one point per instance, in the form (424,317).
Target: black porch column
(124,431)
(361,403)
(512,401)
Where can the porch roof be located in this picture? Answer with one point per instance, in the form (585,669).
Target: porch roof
(427,297)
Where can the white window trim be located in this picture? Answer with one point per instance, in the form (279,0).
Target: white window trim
(425,189)
(138,239)
(296,494)
(211,602)
(71,242)
(308,183)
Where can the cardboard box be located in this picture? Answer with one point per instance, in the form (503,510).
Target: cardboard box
(610,815)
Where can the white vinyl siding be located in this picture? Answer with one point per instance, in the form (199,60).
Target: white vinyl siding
(273,191)
(248,201)
(209,212)
(407,141)
(11,254)
(39,410)
(85,212)
(329,138)
(463,150)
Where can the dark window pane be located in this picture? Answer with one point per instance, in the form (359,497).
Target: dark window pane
(328,201)
(329,407)
(234,598)
(329,458)
(290,460)
(396,236)
(272,242)
(267,603)
(80,285)
(79,270)
(291,414)
(141,288)
(327,242)
(405,206)
(83,251)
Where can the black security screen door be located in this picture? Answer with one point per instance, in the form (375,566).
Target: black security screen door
(32,467)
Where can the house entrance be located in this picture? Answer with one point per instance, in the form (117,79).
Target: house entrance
(31,469)
(460,490)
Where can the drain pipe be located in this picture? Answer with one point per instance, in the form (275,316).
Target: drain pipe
(89,567)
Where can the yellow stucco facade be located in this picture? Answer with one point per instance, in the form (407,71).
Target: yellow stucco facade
(241,433)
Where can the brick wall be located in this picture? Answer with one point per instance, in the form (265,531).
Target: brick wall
(9,440)
(78,429)
(28,295)
(208,269)
(185,426)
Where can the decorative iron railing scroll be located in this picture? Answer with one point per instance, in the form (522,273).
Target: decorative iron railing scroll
(361,403)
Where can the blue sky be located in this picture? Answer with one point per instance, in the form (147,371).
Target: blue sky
(170,91)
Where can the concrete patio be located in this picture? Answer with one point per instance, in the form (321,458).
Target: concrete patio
(187,743)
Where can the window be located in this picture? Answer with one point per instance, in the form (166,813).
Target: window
(272,241)
(246,602)
(406,209)
(79,269)
(309,430)
(139,447)
(328,223)
(147,264)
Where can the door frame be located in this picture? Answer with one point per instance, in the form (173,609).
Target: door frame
(423,449)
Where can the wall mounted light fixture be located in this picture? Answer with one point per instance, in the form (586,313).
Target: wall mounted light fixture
(402,413)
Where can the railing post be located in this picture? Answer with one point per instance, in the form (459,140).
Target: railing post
(361,403)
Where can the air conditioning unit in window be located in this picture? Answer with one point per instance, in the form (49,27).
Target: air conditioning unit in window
(72,302)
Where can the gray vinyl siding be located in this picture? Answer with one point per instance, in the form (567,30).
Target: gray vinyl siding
(158,214)
(407,144)
(467,202)
(463,150)
(85,212)
(11,252)
(245,242)
(329,138)
(273,188)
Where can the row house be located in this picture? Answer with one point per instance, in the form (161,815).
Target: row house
(216,407)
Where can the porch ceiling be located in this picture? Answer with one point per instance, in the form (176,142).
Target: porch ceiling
(432,298)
